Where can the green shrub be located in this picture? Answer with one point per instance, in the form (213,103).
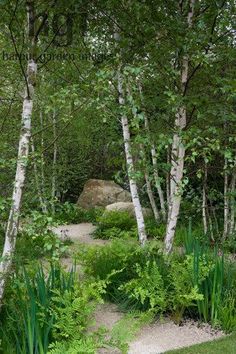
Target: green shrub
(119,219)
(38,310)
(118,262)
(141,278)
(75,346)
(115,224)
(183,292)
(115,232)
(227,311)
(69,213)
(230,244)
(217,281)
(29,248)
(147,287)
(154,230)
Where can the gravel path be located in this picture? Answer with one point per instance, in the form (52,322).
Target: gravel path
(78,233)
(161,337)
(155,338)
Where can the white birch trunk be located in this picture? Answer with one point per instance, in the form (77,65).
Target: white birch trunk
(149,186)
(175,197)
(22,159)
(226,202)
(154,162)
(157,181)
(23,152)
(130,166)
(168,178)
(151,198)
(178,154)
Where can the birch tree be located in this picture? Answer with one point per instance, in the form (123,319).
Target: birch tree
(178,151)
(23,152)
(154,159)
(130,162)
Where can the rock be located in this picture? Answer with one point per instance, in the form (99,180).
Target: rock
(127,206)
(98,192)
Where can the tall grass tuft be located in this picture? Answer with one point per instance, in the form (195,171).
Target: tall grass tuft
(212,274)
(30,311)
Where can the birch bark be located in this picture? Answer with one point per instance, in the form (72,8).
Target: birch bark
(22,159)
(232,225)
(151,197)
(149,185)
(178,153)
(130,164)
(154,161)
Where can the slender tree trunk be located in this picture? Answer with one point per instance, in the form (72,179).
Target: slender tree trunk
(215,219)
(149,186)
(226,202)
(22,159)
(151,198)
(204,200)
(157,181)
(154,161)
(175,195)
(130,165)
(178,154)
(54,163)
(210,225)
(168,177)
(37,183)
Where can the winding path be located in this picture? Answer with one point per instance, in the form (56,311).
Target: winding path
(155,338)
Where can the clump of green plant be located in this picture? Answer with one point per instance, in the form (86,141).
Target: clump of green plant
(115,224)
(183,291)
(36,240)
(125,330)
(75,346)
(230,244)
(115,232)
(214,284)
(32,247)
(118,261)
(40,310)
(69,213)
(120,219)
(147,287)
(153,229)
(227,311)
(142,278)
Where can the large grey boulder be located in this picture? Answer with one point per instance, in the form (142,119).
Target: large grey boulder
(126,206)
(98,192)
